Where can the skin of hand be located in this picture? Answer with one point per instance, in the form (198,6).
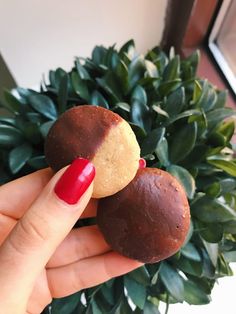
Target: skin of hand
(41,256)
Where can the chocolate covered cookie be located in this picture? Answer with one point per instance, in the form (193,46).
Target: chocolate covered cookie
(149,219)
(101,136)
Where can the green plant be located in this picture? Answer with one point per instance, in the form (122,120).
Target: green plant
(179,121)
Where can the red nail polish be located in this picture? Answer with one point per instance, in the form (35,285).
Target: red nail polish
(75,181)
(142,163)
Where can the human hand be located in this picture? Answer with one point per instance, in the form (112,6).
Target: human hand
(40,256)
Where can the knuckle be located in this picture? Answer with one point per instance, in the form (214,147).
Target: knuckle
(33,230)
(78,282)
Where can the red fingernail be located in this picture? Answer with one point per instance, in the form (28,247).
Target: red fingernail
(75,181)
(142,163)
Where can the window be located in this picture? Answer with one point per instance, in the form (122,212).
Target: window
(222,41)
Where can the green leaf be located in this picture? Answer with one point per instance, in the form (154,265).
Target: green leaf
(230,257)
(45,127)
(129,45)
(10,136)
(172,281)
(136,71)
(19,156)
(221,99)
(122,73)
(190,251)
(12,102)
(150,143)
(139,94)
(162,152)
(109,84)
(212,250)
(175,102)
(168,87)
(63,93)
(182,142)
(218,115)
(228,166)
(43,105)
(172,70)
(151,69)
(136,291)
(65,305)
(197,91)
(194,295)
(185,179)
(97,99)
(193,61)
(189,266)
(150,308)
(79,86)
(226,129)
(124,106)
(185,114)
(211,232)
(140,275)
(81,70)
(211,210)
(140,115)
(37,162)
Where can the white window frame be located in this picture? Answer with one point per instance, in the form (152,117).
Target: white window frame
(216,52)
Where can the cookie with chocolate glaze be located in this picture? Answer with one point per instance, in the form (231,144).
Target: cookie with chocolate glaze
(149,219)
(101,136)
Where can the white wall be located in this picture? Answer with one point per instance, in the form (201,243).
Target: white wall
(37,35)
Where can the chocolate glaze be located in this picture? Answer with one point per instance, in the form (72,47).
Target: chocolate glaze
(78,133)
(149,219)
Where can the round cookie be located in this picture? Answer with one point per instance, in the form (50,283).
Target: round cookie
(101,136)
(149,219)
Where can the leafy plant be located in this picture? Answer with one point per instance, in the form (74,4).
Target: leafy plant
(179,121)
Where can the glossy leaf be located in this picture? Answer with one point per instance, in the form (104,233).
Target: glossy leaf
(218,115)
(185,178)
(150,143)
(10,136)
(19,156)
(37,162)
(175,102)
(65,305)
(172,281)
(162,152)
(80,87)
(136,292)
(194,295)
(44,105)
(141,275)
(81,70)
(45,127)
(97,99)
(211,210)
(172,70)
(183,141)
(190,251)
(228,166)
(12,102)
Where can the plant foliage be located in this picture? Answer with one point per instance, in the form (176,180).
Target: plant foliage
(180,123)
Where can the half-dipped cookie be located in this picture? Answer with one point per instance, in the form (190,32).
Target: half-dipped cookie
(101,136)
(149,219)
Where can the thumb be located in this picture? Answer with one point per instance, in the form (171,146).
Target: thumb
(50,218)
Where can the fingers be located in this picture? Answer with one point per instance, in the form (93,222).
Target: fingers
(89,272)
(23,191)
(79,244)
(50,218)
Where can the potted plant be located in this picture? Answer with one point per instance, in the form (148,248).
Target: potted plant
(179,121)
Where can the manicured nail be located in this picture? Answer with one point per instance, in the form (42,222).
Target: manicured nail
(142,163)
(75,181)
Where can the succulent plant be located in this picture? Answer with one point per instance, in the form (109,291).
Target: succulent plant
(182,126)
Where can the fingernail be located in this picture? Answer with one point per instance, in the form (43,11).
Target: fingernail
(75,181)
(142,163)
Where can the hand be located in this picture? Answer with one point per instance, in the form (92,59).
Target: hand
(40,256)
